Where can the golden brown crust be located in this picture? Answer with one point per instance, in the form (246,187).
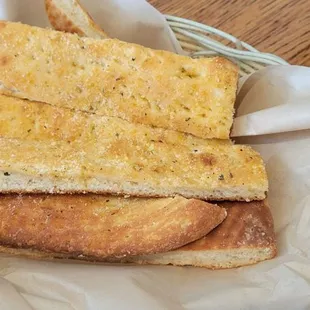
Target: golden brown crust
(98,226)
(248,224)
(245,237)
(114,78)
(59,20)
(227,238)
(72,18)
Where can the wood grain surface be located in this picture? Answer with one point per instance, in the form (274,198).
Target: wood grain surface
(281,27)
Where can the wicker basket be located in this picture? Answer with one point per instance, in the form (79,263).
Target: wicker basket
(202,40)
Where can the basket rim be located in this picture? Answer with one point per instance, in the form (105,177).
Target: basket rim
(195,36)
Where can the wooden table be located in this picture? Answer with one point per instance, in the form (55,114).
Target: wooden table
(281,27)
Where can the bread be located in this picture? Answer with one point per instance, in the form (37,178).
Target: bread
(124,165)
(99,226)
(245,237)
(70,16)
(83,152)
(28,120)
(114,78)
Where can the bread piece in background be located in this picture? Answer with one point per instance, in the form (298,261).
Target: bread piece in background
(245,237)
(114,78)
(70,16)
(101,226)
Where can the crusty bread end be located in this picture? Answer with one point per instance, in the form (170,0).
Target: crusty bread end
(245,237)
(70,16)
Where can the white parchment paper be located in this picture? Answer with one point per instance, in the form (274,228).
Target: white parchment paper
(274,117)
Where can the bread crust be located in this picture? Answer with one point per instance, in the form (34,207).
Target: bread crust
(244,238)
(100,227)
(70,16)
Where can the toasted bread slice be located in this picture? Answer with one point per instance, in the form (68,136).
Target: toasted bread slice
(101,227)
(245,237)
(57,150)
(29,120)
(114,78)
(126,166)
(70,16)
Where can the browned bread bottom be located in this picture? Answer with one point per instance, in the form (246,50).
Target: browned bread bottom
(103,226)
(245,237)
